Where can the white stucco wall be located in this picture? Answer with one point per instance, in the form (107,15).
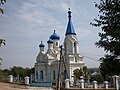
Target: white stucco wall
(72,58)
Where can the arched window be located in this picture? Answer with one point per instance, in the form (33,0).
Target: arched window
(36,75)
(41,74)
(56,43)
(65,74)
(75,50)
(65,47)
(53,74)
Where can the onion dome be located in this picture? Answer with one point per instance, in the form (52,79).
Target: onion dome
(54,36)
(70,29)
(50,41)
(41,45)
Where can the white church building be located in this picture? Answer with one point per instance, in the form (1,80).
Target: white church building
(47,63)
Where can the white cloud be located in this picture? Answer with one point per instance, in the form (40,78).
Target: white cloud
(82,33)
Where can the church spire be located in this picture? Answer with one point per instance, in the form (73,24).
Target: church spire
(70,28)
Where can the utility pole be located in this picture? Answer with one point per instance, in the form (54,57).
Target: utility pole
(58,78)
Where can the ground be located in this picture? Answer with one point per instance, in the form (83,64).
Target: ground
(9,86)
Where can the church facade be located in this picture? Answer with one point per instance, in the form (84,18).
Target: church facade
(47,63)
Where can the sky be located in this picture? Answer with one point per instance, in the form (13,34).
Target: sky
(25,23)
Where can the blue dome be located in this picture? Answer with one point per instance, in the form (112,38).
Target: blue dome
(50,41)
(41,45)
(54,36)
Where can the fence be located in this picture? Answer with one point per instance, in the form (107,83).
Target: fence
(81,84)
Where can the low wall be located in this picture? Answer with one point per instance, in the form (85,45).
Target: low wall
(41,84)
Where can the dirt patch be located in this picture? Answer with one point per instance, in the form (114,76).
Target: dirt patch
(9,86)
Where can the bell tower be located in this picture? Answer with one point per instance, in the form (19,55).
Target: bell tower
(71,42)
(73,59)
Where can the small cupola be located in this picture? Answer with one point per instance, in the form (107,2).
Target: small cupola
(50,41)
(54,36)
(50,44)
(41,44)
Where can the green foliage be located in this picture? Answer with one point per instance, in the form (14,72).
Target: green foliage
(78,72)
(86,73)
(4,73)
(109,21)
(98,78)
(17,71)
(96,75)
(1,3)
(2,41)
(0,60)
(110,66)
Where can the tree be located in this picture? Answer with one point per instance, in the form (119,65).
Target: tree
(109,21)
(20,71)
(98,78)
(86,73)
(77,73)
(1,3)
(0,60)
(110,66)
(2,41)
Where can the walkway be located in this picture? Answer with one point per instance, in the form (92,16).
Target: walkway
(7,86)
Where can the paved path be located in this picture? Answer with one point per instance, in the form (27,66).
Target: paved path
(8,86)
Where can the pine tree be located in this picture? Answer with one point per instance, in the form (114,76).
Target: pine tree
(109,21)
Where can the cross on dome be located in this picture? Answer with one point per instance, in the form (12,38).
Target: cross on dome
(69,13)
(41,44)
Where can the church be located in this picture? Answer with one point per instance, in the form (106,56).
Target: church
(47,63)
